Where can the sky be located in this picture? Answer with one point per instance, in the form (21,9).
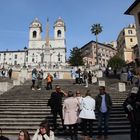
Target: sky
(78,15)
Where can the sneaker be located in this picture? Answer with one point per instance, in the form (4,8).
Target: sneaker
(33,89)
(39,89)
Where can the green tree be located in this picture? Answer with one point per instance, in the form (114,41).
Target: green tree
(116,62)
(75,58)
(96,29)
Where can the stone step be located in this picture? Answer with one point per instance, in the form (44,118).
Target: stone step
(39,119)
(15,123)
(44,102)
(34,127)
(39,111)
(43,107)
(15,133)
(15,130)
(45,114)
(48,116)
(22,108)
(22,105)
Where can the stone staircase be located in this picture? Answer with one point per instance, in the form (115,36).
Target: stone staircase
(22,108)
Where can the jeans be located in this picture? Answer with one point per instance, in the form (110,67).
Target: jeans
(55,112)
(103,119)
(49,85)
(33,84)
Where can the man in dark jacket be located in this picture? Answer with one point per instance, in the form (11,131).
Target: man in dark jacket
(103,107)
(2,137)
(56,105)
(132,108)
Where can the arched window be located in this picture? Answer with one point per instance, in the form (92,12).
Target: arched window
(59,33)
(131,39)
(34,34)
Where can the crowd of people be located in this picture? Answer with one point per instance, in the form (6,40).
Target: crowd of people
(77,109)
(6,72)
(37,79)
(74,110)
(82,77)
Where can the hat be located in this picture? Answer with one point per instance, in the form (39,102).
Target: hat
(134,90)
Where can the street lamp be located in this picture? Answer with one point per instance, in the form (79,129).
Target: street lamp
(25,53)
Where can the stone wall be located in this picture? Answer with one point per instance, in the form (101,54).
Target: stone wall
(24,73)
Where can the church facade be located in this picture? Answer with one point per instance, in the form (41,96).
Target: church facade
(48,52)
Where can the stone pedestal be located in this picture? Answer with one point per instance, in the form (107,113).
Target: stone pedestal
(101,83)
(16,82)
(5,86)
(122,87)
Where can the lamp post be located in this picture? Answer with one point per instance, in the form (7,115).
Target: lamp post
(25,53)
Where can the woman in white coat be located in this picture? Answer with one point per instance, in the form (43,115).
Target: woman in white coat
(87,115)
(44,132)
(70,114)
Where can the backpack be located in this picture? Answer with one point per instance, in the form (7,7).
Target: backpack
(40,75)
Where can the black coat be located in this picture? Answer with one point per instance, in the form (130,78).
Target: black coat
(56,100)
(134,114)
(3,138)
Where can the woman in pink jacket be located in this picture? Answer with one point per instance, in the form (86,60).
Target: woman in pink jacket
(70,114)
